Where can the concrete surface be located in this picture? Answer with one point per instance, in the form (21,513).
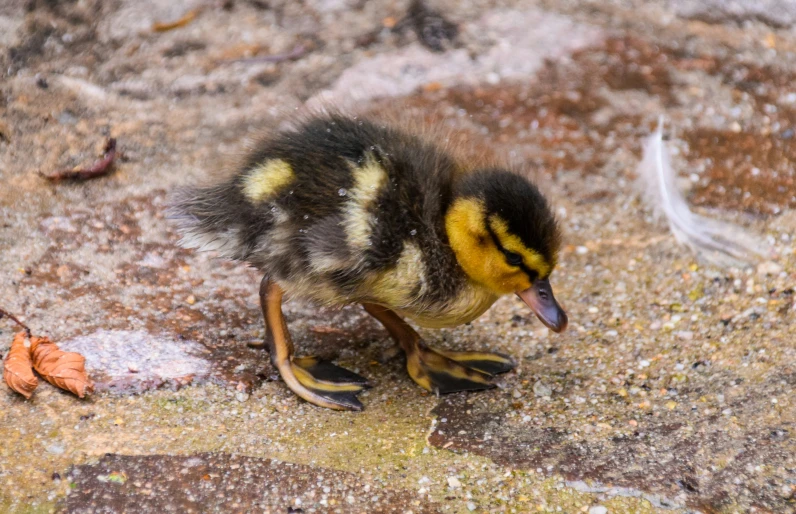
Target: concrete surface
(672,391)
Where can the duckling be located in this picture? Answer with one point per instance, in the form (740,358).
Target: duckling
(342,210)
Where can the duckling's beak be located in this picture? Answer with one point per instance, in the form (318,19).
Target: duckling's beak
(539,297)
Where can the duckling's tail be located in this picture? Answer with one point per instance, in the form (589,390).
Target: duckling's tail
(211,219)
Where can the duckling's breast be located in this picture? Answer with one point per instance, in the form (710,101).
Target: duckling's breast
(470,303)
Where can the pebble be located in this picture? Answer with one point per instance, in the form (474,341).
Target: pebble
(55,448)
(599,509)
(581,250)
(454,483)
(540,389)
(471,506)
(241,396)
(768,268)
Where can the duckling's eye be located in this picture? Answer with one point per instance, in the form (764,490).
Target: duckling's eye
(514,259)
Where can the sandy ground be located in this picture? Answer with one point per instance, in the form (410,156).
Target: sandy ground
(672,391)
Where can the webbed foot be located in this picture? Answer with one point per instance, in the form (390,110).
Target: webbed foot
(445,372)
(441,371)
(334,385)
(491,363)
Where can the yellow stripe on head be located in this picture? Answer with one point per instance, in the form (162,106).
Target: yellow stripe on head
(267,179)
(513,243)
(479,256)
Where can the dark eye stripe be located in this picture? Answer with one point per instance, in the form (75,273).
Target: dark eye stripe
(532,274)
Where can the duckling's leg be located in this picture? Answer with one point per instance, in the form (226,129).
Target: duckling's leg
(318,382)
(441,371)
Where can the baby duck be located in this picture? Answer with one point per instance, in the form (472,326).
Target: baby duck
(343,210)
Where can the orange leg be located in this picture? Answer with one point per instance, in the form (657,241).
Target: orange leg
(440,371)
(318,382)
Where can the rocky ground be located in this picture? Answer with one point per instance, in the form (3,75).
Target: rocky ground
(672,391)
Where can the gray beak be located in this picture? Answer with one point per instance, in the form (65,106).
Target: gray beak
(539,297)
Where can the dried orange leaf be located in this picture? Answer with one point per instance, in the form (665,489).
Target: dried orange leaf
(171,25)
(18,367)
(62,369)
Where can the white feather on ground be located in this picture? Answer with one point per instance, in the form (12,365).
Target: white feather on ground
(718,242)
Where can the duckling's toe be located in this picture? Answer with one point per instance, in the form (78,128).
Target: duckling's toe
(486,362)
(334,386)
(325,371)
(438,373)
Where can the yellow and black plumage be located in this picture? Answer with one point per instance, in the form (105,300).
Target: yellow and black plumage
(343,210)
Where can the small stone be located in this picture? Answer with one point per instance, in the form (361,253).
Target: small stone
(598,509)
(454,483)
(643,364)
(55,448)
(581,250)
(517,393)
(471,506)
(735,127)
(241,396)
(768,268)
(190,300)
(540,389)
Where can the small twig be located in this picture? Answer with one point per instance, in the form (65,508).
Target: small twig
(170,25)
(98,169)
(297,52)
(13,318)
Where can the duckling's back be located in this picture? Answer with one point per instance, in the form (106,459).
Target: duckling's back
(339,210)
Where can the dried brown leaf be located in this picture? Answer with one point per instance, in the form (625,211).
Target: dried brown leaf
(62,369)
(18,367)
(98,169)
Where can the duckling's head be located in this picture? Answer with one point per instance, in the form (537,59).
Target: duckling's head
(506,239)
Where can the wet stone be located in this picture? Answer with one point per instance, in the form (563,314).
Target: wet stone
(685,459)
(219,482)
(120,360)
